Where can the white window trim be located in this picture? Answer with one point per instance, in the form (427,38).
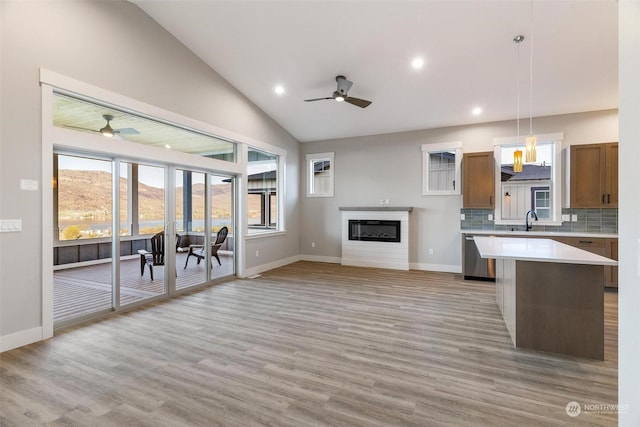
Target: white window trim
(556,177)
(311,158)
(281,155)
(435,148)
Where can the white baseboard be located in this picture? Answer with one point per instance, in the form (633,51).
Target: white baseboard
(270,266)
(18,339)
(443,268)
(321,258)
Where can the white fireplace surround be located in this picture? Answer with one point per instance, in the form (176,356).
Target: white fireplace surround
(391,255)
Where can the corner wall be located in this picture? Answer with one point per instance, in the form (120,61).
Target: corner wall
(629,240)
(389,166)
(115,46)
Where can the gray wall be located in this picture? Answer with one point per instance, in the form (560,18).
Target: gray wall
(629,240)
(115,46)
(371,168)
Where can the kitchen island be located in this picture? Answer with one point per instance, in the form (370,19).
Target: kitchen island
(550,294)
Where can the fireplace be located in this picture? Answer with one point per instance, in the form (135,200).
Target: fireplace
(374,230)
(375,236)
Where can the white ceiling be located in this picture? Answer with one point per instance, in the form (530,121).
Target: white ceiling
(470,58)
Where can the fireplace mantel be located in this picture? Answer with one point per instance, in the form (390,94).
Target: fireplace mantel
(376,208)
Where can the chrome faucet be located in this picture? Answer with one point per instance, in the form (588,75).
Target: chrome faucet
(526,219)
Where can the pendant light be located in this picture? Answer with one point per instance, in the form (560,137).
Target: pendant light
(517,155)
(530,147)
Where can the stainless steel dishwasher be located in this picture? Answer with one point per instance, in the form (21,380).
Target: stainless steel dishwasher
(473,266)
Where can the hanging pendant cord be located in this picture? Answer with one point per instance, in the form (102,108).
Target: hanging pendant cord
(531,73)
(518,92)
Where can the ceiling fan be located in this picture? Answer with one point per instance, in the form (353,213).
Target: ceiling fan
(108,131)
(341,94)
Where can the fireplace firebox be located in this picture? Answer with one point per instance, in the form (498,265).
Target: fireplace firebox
(374,230)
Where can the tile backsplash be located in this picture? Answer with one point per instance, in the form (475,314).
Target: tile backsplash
(593,220)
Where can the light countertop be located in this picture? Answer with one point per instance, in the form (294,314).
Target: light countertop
(540,233)
(541,250)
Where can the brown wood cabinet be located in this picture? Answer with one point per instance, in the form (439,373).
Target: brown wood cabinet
(478,180)
(594,176)
(601,246)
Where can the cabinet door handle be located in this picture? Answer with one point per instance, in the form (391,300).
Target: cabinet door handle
(603,199)
(586,241)
(490,200)
(608,198)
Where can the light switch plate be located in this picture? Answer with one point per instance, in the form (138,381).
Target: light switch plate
(10,225)
(462,216)
(566,217)
(490,217)
(574,217)
(29,184)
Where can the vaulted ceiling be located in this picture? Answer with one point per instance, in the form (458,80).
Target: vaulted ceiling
(470,59)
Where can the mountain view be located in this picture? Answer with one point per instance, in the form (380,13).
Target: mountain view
(84,202)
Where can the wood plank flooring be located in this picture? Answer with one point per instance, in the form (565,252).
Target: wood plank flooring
(85,290)
(309,344)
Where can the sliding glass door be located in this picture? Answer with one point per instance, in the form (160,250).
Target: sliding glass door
(142,253)
(203,256)
(175,231)
(83,217)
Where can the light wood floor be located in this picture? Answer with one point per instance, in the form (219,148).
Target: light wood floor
(309,344)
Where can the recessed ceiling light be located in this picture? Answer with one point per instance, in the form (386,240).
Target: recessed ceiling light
(417,63)
(167,146)
(279,90)
(476,111)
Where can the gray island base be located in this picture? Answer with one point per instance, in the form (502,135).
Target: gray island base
(551,295)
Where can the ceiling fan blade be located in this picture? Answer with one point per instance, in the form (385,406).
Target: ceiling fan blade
(317,99)
(79,128)
(127,131)
(362,103)
(343,84)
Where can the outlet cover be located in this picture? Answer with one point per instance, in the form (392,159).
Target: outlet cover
(566,217)
(462,217)
(574,217)
(490,217)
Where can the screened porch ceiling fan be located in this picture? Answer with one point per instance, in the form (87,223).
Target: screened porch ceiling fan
(108,131)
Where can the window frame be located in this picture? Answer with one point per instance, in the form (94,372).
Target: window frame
(427,150)
(534,200)
(555,186)
(264,229)
(311,159)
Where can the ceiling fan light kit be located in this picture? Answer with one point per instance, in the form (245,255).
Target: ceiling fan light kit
(341,94)
(107,130)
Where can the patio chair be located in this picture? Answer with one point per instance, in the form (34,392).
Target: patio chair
(199,252)
(156,256)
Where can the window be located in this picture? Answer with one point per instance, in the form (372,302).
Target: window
(320,173)
(536,188)
(441,168)
(83,213)
(540,202)
(263,185)
(81,115)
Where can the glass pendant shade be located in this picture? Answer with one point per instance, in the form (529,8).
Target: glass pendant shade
(517,161)
(530,149)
